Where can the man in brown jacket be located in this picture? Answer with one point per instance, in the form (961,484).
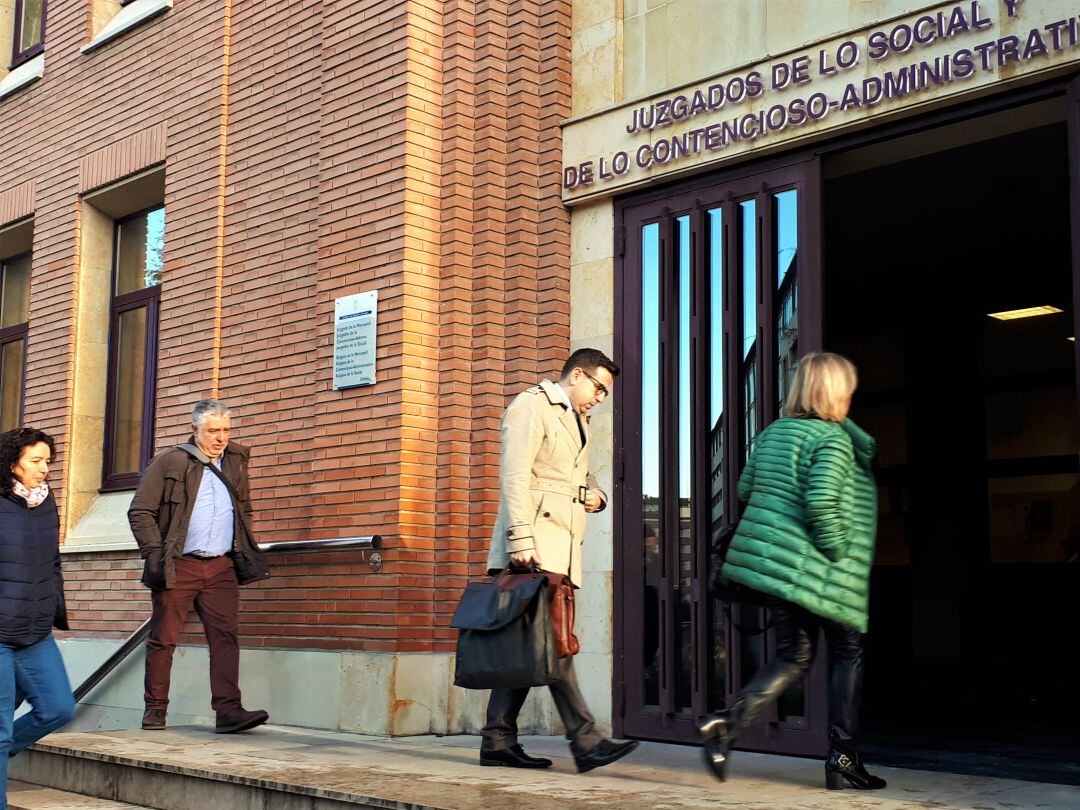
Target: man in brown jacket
(545,491)
(191,516)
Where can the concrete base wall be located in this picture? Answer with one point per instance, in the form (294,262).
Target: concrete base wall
(360,692)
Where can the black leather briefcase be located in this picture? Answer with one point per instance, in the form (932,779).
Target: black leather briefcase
(505,637)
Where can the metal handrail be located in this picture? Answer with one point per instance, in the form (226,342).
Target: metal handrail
(113,661)
(367,543)
(371,542)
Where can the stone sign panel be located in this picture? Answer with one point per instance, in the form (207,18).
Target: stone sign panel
(909,62)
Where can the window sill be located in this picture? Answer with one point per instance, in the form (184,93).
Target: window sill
(104,527)
(23,75)
(128,17)
(124,485)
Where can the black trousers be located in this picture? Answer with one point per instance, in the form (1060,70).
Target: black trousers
(501,730)
(797,633)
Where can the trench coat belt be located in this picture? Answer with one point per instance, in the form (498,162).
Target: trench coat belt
(576,492)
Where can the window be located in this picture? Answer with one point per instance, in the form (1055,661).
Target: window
(29,39)
(133,324)
(14,319)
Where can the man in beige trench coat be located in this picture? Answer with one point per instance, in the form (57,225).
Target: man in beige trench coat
(545,489)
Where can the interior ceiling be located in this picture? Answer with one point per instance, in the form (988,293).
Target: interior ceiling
(950,136)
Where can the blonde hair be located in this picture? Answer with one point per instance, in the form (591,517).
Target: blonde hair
(821,386)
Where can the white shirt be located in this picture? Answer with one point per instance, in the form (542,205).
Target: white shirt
(570,405)
(565,396)
(210,528)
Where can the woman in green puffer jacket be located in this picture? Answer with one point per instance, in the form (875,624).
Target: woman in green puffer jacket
(806,540)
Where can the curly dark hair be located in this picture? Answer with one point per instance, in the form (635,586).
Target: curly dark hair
(12,444)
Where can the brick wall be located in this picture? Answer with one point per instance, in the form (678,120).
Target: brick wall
(82,105)
(315,149)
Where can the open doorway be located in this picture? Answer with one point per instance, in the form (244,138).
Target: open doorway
(934,244)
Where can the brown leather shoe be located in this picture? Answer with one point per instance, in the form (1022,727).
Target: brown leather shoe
(153,719)
(240,720)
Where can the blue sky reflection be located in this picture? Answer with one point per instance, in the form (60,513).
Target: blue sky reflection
(650,360)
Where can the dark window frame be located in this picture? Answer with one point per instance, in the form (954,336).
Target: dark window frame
(22,57)
(19,331)
(150,298)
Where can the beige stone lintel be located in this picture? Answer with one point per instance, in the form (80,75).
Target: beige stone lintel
(128,17)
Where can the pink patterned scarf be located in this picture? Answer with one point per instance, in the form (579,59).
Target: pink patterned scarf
(33,497)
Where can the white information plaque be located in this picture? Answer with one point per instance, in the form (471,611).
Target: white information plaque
(355,319)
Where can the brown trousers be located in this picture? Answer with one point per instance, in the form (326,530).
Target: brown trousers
(210,586)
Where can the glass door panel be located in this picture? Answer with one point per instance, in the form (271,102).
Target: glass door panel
(652,531)
(748,354)
(717,630)
(683,569)
(784,226)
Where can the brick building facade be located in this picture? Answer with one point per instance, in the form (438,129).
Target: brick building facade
(303,151)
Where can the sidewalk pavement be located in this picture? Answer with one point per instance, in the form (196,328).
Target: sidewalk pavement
(442,772)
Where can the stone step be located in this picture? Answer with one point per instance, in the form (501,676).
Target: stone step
(191,768)
(24,796)
(283,768)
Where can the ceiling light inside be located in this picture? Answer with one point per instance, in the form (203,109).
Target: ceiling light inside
(1028,312)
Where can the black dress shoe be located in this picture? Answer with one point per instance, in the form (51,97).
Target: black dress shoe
(512,757)
(603,753)
(843,765)
(240,720)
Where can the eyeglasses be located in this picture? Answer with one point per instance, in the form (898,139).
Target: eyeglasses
(601,389)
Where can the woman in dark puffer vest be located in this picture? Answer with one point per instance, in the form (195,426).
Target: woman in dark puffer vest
(31,598)
(806,540)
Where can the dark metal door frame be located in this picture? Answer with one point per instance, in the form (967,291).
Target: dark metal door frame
(666,721)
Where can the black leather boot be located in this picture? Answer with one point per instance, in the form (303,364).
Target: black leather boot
(719,731)
(843,765)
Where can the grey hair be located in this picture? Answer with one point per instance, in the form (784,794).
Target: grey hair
(205,408)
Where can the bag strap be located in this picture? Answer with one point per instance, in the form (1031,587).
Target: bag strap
(744,629)
(213,468)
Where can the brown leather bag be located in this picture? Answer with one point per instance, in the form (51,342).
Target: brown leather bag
(562,614)
(561,594)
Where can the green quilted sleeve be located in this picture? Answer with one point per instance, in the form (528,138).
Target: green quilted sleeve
(831,467)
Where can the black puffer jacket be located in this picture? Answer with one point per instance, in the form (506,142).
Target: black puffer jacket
(31,587)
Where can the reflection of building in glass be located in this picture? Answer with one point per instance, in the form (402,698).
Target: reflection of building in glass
(654,542)
(686,547)
(785,206)
(787,339)
(716,475)
(749,406)
(650,509)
